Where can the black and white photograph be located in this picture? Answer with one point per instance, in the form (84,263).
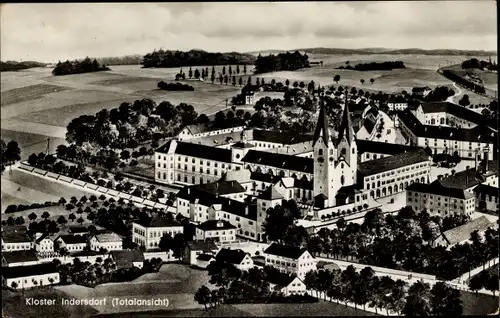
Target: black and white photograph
(239,159)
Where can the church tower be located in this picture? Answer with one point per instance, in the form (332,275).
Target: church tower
(324,156)
(347,152)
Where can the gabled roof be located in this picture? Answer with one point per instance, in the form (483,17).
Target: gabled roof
(159,221)
(277,136)
(198,151)
(127,256)
(281,279)
(322,126)
(369,124)
(213,225)
(376,166)
(198,128)
(31,270)
(486,189)
(15,237)
(204,257)
(287,251)
(271,194)
(14,229)
(73,239)
(43,237)
(78,229)
(240,144)
(206,246)
(221,187)
(282,161)
(462,233)
(437,189)
(464,179)
(230,256)
(383,147)
(346,127)
(20,256)
(108,237)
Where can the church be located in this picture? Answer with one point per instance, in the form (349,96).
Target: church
(324,174)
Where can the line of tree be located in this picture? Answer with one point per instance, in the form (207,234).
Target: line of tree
(462,81)
(77,67)
(23,207)
(175,87)
(281,62)
(479,64)
(382,292)
(487,279)
(167,58)
(375,66)
(121,60)
(10,66)
(10,153)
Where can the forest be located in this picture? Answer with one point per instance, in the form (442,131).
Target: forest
(374,66)
(17,66)
(281,62)
(169,58)
(78,67)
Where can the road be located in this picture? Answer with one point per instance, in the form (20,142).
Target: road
(458,93)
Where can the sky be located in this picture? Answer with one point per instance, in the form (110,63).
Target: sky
(51,32)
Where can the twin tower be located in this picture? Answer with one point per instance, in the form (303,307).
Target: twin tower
(335,161)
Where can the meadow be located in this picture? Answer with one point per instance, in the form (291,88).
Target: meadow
(175,282)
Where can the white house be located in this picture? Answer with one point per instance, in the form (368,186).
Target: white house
(108,241)
(23,277)
(43,243)
(238,258)
(16,241)
(217,230)
(148,233)
(290,259)
(287,284)
(73,243)
(194,249)
(19,258)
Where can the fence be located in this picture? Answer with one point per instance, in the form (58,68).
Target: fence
(141,202)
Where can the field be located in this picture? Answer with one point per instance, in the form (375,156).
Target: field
(14,305)
(321,308)
(174,282)
(490,79)
(481,304)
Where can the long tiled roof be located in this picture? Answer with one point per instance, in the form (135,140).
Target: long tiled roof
(212,225)
(207,246)
(383,147)
(278,137)
(486,189)
(73,239)
(15,237)
(31,270)
(221,187)
(438,189)
(281,279)
(230,256)
(271,194)
(477,134)
(462,180)
(159,221)
(128,255)
(282,161)
(78,229)
(287,251)
(459,111)
(20,256)
(372,167)
(228,205)
(462,233)
(198,151)
(108,237)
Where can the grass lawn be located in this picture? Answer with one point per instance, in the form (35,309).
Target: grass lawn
(490,79)
(175,282)
(29,93)
(321,308)
(222,311)
(14,305)
(481,304)
(30,143)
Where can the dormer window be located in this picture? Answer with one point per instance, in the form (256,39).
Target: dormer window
(320,152)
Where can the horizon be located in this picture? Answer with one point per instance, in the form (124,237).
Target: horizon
(113,30)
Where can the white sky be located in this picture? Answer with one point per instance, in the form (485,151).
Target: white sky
(51,32)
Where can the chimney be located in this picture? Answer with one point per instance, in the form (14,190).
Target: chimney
(467,175)
(246,210)
(485,160)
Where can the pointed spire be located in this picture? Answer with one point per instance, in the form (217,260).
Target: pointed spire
(345,125)
(322,126)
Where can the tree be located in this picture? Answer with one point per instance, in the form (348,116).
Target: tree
(492,283)
(61,220)
(287,82)
(445,301)
(240,81)
(476,283)
(238,69)
(417,301)
(45,215)
(202,296)
(249,81)
(245,69)
(32,216)
(125,155)
(190,73)
(166,242)
(72,217)
(362,81)
(80,220)
(196,74)
(336,78)
(226,79)
(230,70)
(12,153)
(464,101)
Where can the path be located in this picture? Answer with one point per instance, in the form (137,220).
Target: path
(460,92)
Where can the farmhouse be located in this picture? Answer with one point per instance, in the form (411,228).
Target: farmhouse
(73,243)
(290,259)
(23,277)
(43,243)
(108,241)
(19,258)
(194,249)
(128,258)
(287,284)
(238,258)
(217,230)
(14,241)
(148,233)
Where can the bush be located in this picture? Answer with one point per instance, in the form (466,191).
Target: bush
(174,87)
